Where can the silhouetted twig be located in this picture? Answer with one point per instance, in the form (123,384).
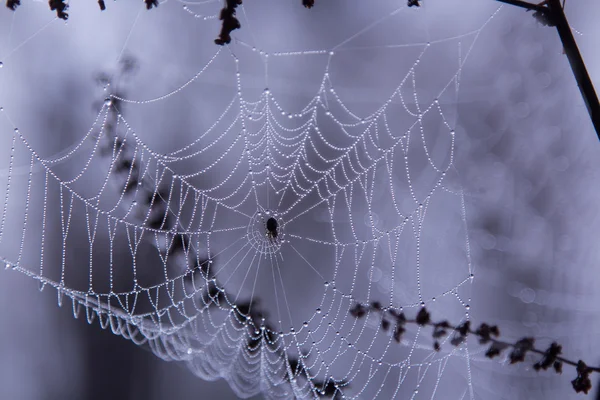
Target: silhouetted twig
(151,3)
(487,334)
(60,7)
(13,4)
(230,22)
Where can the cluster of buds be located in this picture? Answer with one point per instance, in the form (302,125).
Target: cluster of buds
(391,319)
(61,7)
(229,22)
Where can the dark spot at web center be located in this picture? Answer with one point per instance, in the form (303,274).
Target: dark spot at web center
(272,224)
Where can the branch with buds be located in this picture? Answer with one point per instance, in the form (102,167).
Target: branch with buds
(487,335)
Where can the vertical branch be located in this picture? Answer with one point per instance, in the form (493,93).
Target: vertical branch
(552,12)
(577,64)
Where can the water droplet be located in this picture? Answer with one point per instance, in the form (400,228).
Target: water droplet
(189,351)
(326,284)
(331,53)
(305,324)
(527,295)
(7,265)
(1,64)
(1,109)
(544,79)
(467,307)
(108,102)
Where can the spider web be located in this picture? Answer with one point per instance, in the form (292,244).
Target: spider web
(166,244)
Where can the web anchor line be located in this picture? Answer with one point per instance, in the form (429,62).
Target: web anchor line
(552,12)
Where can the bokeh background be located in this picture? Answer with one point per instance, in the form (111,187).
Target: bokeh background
(526,157)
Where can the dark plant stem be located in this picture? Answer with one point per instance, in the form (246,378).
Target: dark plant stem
(487,334)
(553,14)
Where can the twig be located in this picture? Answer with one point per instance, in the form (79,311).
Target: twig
(487,334)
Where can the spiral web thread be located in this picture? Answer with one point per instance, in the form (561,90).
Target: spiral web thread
(331,179)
